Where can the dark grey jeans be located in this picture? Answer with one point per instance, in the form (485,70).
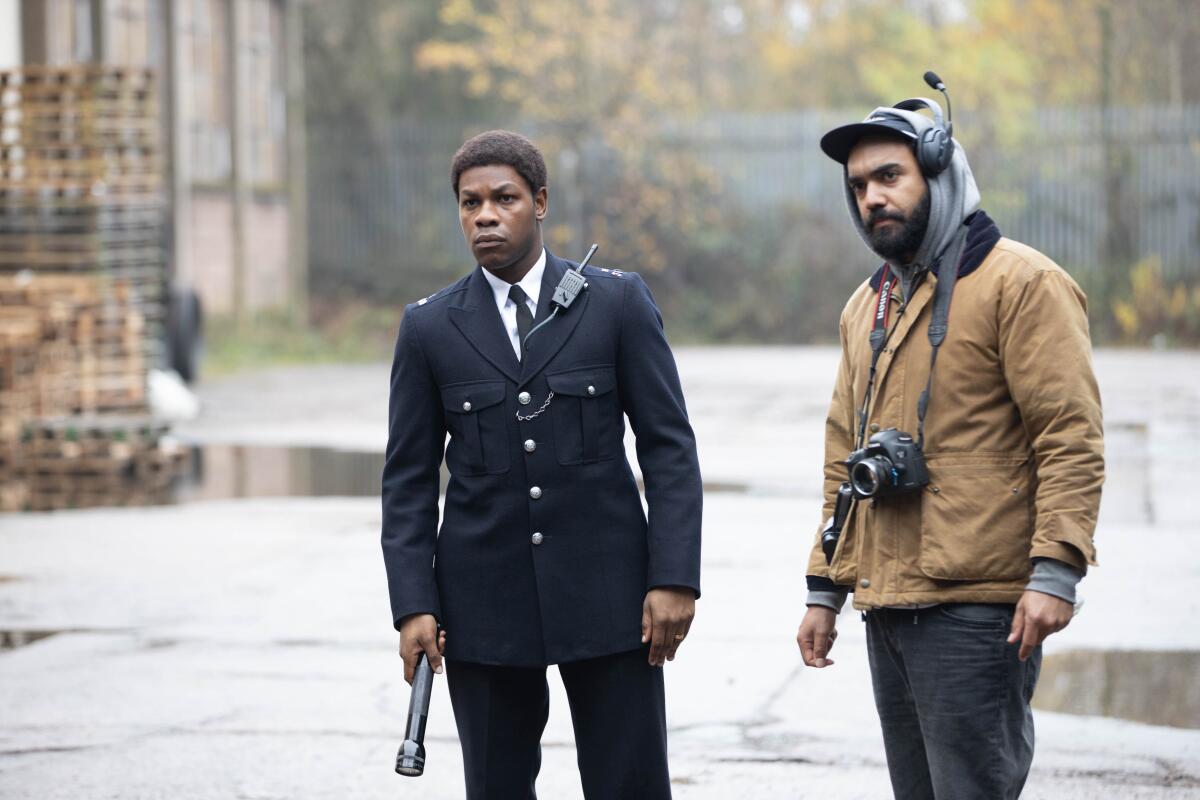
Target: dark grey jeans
(953,701)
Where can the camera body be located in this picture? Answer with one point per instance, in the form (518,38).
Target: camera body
(892,463)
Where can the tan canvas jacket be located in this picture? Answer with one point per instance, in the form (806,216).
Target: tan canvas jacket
(1014,443)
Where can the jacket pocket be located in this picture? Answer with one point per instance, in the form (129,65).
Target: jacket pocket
(977,517)
(478,429)
(586,414)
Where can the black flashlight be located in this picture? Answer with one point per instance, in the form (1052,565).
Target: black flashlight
(410,760)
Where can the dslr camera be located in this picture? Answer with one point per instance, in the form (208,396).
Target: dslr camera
(891,463)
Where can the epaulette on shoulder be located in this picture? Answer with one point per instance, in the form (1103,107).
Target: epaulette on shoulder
(440,294)
(603,272)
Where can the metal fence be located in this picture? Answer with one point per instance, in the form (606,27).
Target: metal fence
(381,206)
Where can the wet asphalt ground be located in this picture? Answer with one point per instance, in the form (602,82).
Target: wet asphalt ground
(238,645)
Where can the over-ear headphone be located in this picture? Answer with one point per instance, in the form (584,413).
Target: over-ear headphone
(935,147)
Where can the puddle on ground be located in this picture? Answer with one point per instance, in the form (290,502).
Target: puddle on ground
(221,471)
(231,471)
(1155,687)
(11,640)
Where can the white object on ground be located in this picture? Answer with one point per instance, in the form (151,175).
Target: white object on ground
(170,398)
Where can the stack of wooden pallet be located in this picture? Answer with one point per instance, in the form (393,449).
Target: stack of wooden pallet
(79,462)
(81,189)
(85,338)
(82,274)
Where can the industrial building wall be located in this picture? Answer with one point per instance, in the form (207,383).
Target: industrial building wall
(10,33)
(224,47)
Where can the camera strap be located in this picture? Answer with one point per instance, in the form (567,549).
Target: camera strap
(879,338)
(947,276)
(938,327)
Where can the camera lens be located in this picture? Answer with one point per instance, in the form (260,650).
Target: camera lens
(865,477)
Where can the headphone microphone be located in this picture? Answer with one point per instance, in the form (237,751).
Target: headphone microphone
(936,83)
(935,148)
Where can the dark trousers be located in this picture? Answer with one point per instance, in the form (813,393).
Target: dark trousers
(618,711)
(953,701)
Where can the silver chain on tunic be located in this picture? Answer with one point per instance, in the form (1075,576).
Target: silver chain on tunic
(537,413)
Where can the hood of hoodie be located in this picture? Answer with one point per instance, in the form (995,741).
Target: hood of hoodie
(982,235)
(953,195)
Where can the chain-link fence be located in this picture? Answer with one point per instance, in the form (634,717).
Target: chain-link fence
(1096,191)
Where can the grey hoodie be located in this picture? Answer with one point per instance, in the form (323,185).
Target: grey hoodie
(953,196)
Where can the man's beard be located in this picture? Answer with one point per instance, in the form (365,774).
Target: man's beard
(899,243)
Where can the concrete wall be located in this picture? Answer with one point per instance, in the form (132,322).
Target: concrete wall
(210,251)
(10,34)
(267,253)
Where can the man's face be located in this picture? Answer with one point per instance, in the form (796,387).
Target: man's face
(892,196)
(500,216)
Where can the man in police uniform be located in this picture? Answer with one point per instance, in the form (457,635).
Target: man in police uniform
(544,555)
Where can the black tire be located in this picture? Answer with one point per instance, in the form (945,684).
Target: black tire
(185,334)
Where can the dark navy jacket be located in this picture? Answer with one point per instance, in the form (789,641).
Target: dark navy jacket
(577,593)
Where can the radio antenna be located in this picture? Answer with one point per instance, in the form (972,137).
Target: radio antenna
(569,287)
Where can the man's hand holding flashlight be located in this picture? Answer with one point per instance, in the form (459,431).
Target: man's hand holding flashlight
(419,634)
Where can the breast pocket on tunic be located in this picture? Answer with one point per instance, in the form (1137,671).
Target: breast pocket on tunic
(586,413)
(475,415)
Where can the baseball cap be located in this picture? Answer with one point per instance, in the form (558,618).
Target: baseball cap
(838,143)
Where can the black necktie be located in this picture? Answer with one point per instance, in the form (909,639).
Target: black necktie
(524,315)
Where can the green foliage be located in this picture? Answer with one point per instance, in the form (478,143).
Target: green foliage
(1157,310)
(349,330)
(605,84)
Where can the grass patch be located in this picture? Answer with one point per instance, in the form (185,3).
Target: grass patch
(350,331)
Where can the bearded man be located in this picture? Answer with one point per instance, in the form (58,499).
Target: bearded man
(962,566)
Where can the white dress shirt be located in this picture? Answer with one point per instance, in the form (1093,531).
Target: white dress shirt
(532,286)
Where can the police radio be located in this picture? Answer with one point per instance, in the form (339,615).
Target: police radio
(570,286)
(572,283)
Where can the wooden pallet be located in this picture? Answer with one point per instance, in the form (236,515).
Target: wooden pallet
(114,189)
(94,343)
(14,495)
(80,151)
(34,171)
(77,262)
(86,241)
(81,254)
(20,337)
(99,245)
(65,296)
(75,436)
(114,135)
(85,113)
(75,75)
(94,220)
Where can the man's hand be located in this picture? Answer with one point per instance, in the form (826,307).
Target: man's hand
(419,633)
(818,631)
(1037,616)
(667,614)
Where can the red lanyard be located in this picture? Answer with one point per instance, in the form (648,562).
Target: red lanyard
(883,302)
(879,337)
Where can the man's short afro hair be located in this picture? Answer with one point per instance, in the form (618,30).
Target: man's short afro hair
(503,148)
